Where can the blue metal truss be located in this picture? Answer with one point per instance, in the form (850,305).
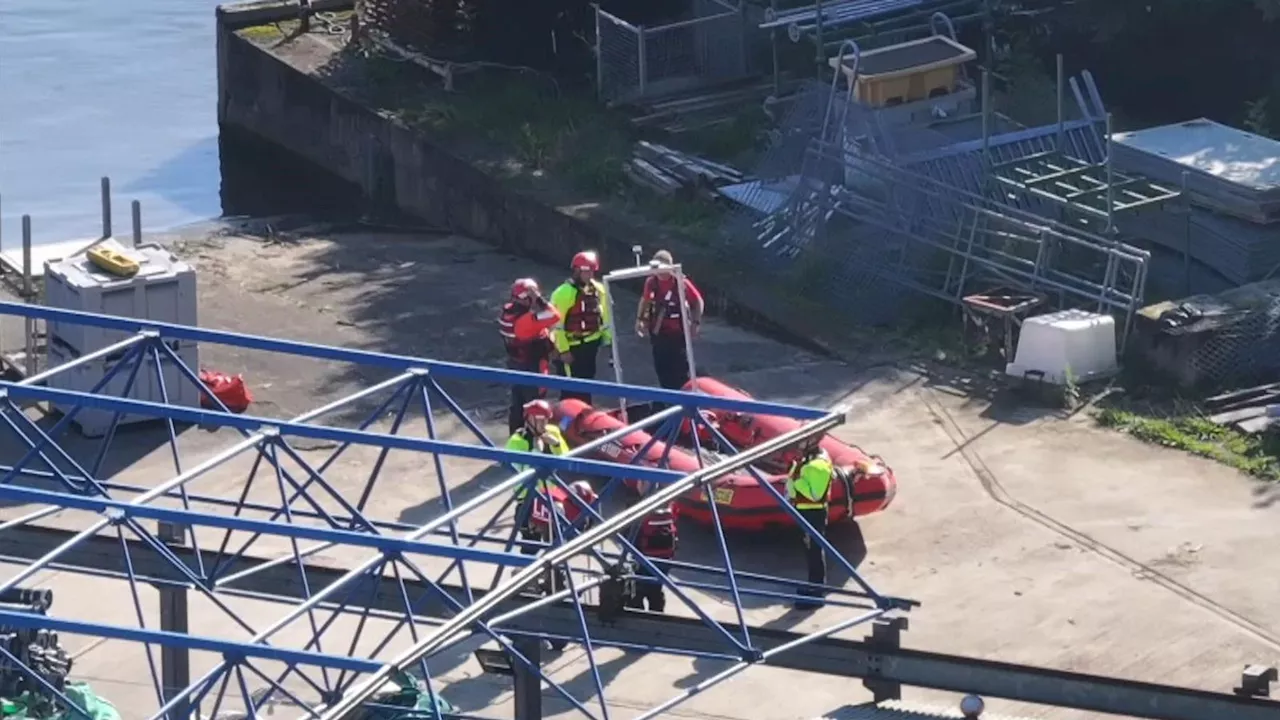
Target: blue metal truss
(204,543)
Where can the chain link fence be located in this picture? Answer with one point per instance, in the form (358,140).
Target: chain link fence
(635,62)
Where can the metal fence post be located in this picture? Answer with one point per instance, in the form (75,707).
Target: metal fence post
(528,683)
(642,57)
(136,212)
(106,207)
(599,57)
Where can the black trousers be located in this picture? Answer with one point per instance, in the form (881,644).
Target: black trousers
(670,361)
(815,557)
(649,592)
(583,367)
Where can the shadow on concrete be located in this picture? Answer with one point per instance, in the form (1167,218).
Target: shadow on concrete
(994,396)
(424,512)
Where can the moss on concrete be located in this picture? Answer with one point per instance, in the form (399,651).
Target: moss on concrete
(1189,431)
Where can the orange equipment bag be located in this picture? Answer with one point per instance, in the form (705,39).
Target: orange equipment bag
(230,390)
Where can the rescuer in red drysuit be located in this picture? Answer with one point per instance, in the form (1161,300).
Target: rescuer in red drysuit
(657,538)
(525,325)
(661,318)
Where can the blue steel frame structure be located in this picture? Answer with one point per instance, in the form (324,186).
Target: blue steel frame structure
(331,683)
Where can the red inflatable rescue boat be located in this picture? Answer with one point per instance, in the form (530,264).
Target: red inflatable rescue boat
(742,503)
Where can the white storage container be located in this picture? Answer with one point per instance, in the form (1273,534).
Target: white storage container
(1070,342)
(94,422)
(164,290)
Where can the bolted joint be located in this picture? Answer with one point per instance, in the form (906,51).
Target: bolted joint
(149,334)
(115,516)
(270,432)
(392,555)
(753,655)
(419,372)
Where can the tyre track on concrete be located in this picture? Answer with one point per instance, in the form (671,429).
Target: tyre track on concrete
(1140,570)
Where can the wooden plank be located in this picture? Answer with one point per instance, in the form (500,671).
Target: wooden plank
(1234,416)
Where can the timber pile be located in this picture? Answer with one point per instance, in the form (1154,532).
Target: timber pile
(671,172)
(1250,411)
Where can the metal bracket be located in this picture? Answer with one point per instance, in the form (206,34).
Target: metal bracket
(1256,681)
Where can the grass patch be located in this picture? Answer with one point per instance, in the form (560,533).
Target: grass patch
(1250,454)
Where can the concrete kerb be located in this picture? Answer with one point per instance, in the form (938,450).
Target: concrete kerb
(390,161)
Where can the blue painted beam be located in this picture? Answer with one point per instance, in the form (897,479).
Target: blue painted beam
(226,648)
(338,435)
(384,543)
(403,363)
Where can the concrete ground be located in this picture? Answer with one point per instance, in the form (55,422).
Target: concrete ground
(1027,537)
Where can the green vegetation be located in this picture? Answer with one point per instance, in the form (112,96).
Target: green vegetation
(1193,433)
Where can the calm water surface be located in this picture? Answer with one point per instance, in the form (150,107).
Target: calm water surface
(126,89)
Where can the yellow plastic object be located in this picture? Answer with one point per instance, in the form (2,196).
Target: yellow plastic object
(113,262)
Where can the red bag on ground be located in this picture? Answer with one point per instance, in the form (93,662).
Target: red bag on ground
(230,390)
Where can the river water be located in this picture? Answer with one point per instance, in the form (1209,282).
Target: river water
(125,89)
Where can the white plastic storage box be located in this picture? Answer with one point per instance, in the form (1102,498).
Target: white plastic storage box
(1074,343)
(164,290)
(94,422)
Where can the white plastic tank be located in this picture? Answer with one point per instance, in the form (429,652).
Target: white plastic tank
(163,290)
(1071,344)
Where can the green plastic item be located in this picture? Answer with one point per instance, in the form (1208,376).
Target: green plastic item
(98,708)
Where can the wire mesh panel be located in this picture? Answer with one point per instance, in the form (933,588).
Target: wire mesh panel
(709,47)
(618,68)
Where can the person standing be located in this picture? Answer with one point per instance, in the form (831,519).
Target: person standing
(536,435)
(525,325)
(584,325)
(809,490)
(657,538)
(661,318)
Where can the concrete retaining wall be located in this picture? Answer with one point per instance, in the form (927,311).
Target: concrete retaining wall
(400,168)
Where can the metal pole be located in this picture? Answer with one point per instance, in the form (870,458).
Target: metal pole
(136,211)
(1186,240)
(175,661)
(986,121)
(599,58)
(449,631)
(612,328)
(29,365)
(528,682)
(106,207)
(1062,96)
(643,59)
(684,320)
(1111,190)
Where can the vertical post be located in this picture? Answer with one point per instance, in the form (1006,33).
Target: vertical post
(136,211)
(1062,94)
(986,120)
(599,58)
(30,365)
(528,683)
(106,207)
(1111,190)
(773,48)
(175,663)
(1186,248)
(820,53)
(682,297)
(642,56)
(304,15)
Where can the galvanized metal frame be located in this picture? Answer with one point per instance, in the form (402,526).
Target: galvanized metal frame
(312,510)
(646,272)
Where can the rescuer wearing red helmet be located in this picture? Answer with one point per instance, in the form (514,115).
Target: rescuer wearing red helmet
(584,325)
(536,435)
(657,537)
(525,325)
(661,318)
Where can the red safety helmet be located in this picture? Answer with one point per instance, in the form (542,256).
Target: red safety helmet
(537,409)
(585,261)
(524,288)
(584,491)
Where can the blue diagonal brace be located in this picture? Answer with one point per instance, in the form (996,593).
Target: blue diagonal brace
(355,437)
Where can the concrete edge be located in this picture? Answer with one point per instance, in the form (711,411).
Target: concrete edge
(241,15)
